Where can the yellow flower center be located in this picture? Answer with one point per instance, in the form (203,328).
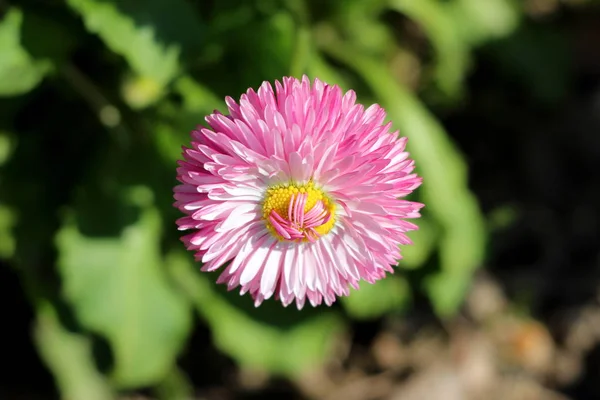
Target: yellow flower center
(298,212)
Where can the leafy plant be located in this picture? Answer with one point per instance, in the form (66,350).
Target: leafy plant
(92,118)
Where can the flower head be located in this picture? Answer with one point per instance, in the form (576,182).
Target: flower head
(296,193)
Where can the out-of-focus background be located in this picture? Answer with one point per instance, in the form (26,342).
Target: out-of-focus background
(497,299)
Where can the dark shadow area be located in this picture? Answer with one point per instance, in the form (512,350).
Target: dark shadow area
(530,134)
(540,160)
(22,375)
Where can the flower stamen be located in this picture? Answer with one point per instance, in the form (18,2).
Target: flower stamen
(310,213)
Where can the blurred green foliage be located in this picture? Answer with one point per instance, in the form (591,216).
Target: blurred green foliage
(19,71)
(98,96)
(117,288)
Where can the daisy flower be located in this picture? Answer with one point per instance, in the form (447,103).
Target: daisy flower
(297,193)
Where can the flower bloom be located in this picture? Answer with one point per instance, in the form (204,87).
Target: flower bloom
(296,193)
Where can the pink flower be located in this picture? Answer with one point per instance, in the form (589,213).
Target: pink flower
(297,193)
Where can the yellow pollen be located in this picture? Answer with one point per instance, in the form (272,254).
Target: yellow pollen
(280,197)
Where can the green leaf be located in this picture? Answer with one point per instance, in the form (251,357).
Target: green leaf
(267,45)
(151,35)
(196,97)
(481,21)
(424,243)
(69,357)
(19,73)
(457,254)
(391,294)
(452,52)
(360,22)
(169,139)
(447,290)
(318,67)
(175,386)
(277,38)
(282,341)
(141,91)
(117,289)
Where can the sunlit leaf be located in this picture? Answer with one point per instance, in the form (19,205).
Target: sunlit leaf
(118,290)
(480,21)
(287,342)
(69,356)
(141,91)
(19,72)
(391,294)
